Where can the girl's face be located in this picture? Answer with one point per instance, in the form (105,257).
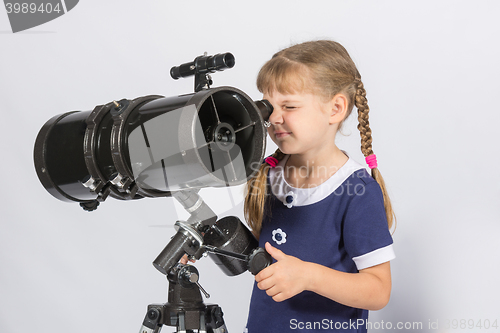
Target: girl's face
(302,123)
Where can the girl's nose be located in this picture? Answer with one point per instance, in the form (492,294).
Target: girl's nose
(276,117)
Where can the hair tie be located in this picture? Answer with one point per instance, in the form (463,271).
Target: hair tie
(272,161)
(371,160)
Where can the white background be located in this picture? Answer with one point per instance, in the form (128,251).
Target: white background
(431,72)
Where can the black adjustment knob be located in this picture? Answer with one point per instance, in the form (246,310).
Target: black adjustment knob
(89,206)
(258,260)
(153,314)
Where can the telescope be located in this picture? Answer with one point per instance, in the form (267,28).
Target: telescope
(155,146)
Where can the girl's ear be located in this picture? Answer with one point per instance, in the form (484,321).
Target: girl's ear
(338,106)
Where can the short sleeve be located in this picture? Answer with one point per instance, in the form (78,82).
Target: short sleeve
(366,235)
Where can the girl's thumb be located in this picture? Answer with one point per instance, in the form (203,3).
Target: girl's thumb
(274,252)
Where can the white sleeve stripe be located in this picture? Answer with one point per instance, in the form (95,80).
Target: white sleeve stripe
(376,257)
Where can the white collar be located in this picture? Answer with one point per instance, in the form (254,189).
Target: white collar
(307,196)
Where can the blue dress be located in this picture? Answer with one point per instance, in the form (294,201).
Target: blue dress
(340,224)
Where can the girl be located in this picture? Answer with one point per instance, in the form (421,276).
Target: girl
(321,216)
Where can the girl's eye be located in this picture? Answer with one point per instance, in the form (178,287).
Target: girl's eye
(288,107)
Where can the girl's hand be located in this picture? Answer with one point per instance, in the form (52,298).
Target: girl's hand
(184,260)
(285,278)
(369,289)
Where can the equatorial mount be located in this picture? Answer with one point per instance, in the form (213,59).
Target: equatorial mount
(230,245)
(185,308)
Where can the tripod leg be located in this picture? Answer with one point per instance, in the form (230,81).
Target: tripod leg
(215,322)
(151,321)
(181,324)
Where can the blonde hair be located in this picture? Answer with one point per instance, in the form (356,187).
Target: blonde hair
(323,68)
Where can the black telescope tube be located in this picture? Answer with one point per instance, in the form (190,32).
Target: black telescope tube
(203,64)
